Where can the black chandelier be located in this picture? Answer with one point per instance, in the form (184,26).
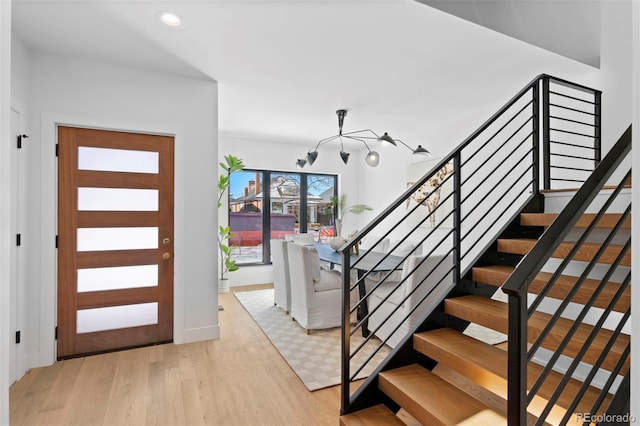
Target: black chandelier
(372,158)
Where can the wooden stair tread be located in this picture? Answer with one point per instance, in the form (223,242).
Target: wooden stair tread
(432,400)
(497,275)
(608,220)
(372,416)
(586,253)
(487,365)
(606,187)
(493,314)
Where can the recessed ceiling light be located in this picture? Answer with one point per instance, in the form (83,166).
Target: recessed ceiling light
(171,19)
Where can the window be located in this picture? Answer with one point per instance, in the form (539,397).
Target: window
(293,203)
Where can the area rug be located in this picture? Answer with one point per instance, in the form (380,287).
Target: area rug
(315,358)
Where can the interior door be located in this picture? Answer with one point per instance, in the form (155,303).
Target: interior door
(14,253)
(115,240)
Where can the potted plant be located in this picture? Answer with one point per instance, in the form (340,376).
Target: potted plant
(341,202)
(230,165)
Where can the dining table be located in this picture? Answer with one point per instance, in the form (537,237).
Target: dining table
(363,261)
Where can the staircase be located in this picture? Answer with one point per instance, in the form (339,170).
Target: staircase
(469,383)
(566,275)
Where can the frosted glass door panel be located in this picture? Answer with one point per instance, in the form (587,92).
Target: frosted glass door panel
(114,199)
(117,278)
(117,160)
(114,317)
(97,239)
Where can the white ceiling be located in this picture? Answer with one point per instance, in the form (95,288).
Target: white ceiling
(285,66)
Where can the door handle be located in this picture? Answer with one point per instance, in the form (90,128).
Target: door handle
(166,255)
(166,241)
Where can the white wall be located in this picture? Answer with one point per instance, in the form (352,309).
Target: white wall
(5,186)
(84,93)
(23,274)
(281,156)
(616,70)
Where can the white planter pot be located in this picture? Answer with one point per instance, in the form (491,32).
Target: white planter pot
(223,285)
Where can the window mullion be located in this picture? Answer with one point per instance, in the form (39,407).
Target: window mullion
(266,217)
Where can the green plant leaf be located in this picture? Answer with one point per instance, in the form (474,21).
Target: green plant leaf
(231,164)
(359,208)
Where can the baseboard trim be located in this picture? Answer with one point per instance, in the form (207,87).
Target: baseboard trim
(199,334)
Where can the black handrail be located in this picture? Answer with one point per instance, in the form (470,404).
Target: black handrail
(517,132)
(557,232)
(516,287)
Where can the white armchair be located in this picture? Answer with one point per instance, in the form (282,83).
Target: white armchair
(437,269)
(316,295)
(281,281)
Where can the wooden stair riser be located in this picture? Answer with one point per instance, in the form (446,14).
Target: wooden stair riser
(496,275)
(586,253)
(493,314)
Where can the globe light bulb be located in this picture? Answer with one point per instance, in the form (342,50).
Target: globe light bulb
(372,158)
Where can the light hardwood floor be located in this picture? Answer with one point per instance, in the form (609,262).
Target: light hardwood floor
(239,379)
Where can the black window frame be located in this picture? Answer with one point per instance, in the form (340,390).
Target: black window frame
(265,175)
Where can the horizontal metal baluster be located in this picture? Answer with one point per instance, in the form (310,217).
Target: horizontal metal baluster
(494,169)
(402,281)
(572,121)
(486,143)
(502,179)
(500,216)
(567,180)
(616,371)
(577,157)
(567,259)
(564,95)
(569,132)
(397,327)
(573,145)
(572,330)
(576,361)
(366,274)
(596,367)
(571,109)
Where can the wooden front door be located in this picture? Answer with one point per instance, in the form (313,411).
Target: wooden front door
(115,240)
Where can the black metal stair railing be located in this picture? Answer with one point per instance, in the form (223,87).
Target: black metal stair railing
(452,214)
(522,306)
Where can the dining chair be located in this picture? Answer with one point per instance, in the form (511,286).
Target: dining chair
(281,280)
(316,294)
(430,274)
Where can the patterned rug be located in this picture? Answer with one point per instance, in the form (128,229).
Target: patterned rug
(315,358)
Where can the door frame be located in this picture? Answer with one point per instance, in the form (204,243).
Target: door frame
(71,259)
(49,222)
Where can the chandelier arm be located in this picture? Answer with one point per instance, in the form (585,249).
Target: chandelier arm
(325,140)
(398,140)
(359,140)
(363,130)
